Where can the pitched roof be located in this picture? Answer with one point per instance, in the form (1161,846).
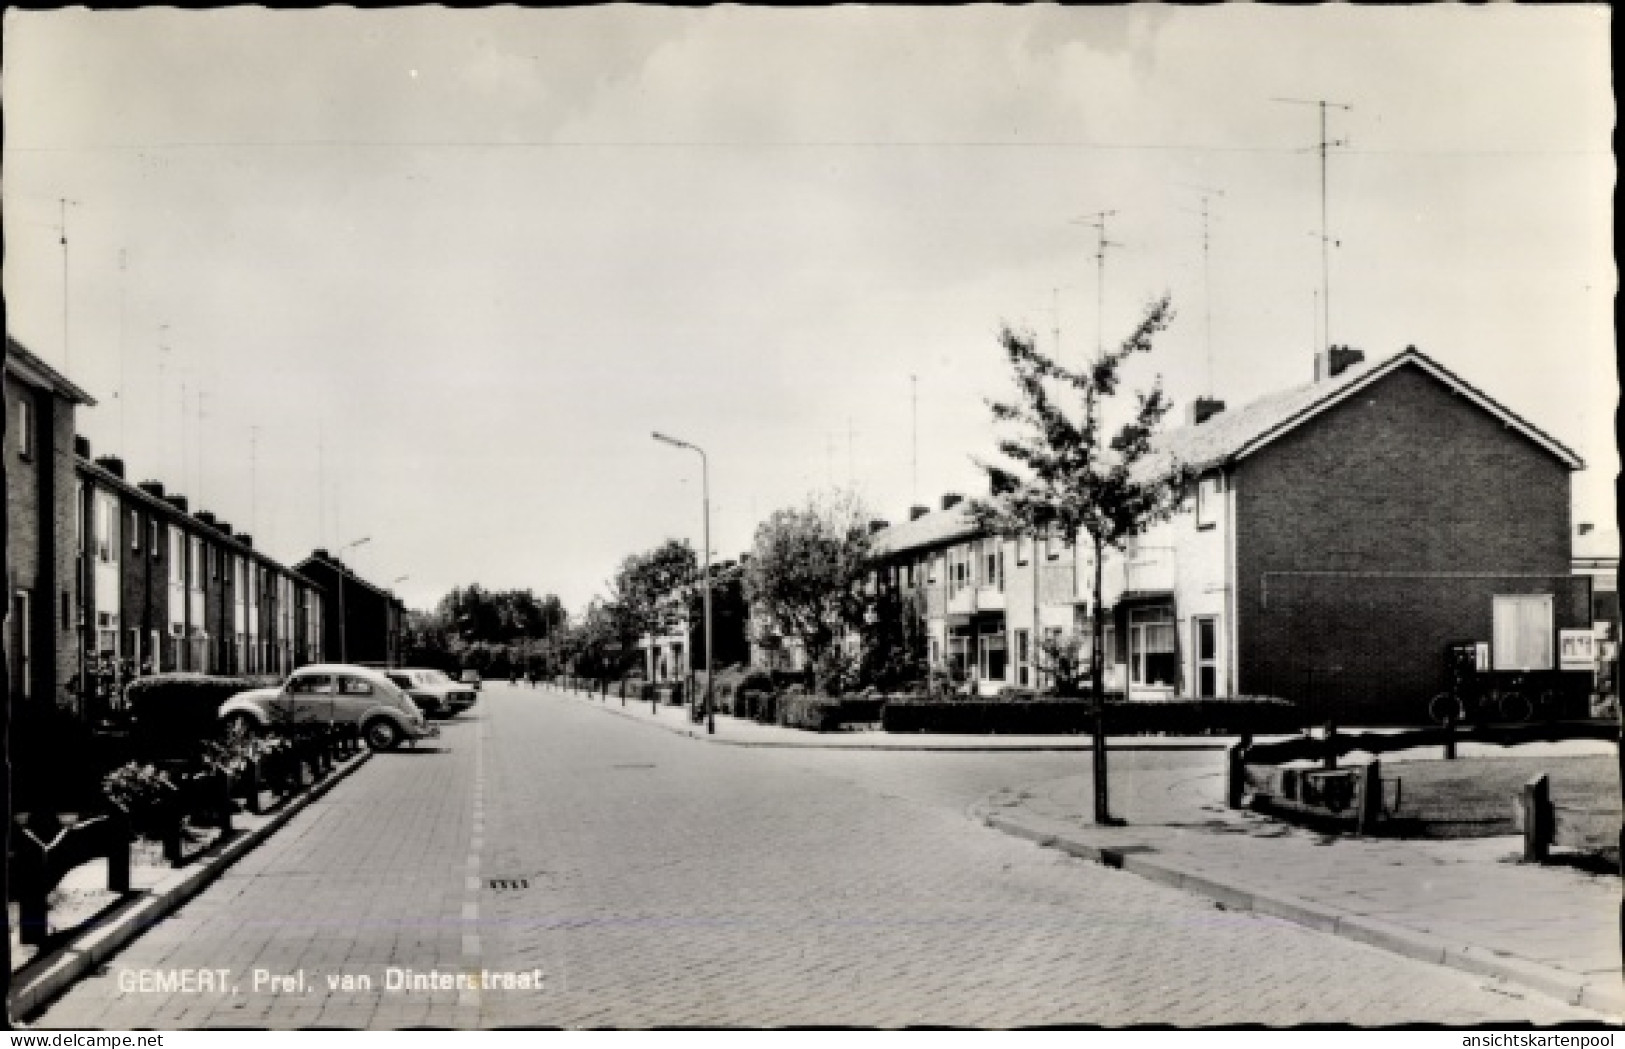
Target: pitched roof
(27,366)
(1235,434)
(932,529)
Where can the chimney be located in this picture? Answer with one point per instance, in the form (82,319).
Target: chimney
(1203,409)
(177,501)
(112,464)
(1335,360)
(951,500)
(916,512)
(320,554)
(206,517)
(222,527)
(152,488)
(246,539)
(81,446)
(878,525)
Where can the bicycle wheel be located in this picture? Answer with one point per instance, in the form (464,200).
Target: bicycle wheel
(1515,707)
(1443,707)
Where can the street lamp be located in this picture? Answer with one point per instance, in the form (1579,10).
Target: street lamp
(705,481)
(344,654)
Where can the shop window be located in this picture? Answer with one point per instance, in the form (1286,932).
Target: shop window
(1522,632)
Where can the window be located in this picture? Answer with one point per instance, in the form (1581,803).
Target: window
(931,568)
(1052,545)
(102,522)
(311,685)
(1024,668)
(135,531)
(1522,632)
(991,556)
(1153,656)
(25,428)
(1208,500)
(152,538)
(21,644)
(992,653)
(354,686)
(1024,549)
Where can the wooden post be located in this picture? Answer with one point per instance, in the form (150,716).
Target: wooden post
(1450,737)
(222,795)
(172,838)
(253,777)
(30,884)
(1370,810)
(118,853)
(1537,819)
(1236,777)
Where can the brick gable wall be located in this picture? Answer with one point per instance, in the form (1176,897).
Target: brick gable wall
(1376,533)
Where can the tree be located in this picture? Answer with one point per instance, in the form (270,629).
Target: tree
(650,591)
(1070,478)
(806,574)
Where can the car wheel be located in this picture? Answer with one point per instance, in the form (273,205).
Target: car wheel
(241,726)
(382,734)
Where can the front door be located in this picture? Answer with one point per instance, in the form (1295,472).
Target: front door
(1206,647)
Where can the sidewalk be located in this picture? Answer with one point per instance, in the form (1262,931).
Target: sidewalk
(1464,903)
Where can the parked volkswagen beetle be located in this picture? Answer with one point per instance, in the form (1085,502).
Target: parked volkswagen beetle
(336,694)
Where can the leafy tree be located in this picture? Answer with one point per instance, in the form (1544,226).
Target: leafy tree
(894,642)
(1071,478)
(651,590)
(806,573)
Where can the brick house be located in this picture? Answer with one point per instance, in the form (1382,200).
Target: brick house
(165,589)
(1339,535)
(366,621)
(41,626)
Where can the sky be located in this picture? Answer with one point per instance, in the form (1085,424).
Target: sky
(431,278)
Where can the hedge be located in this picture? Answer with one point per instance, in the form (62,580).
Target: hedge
(1060,716)
(183,708)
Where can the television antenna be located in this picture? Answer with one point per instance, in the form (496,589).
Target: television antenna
(1325,237)
(1097,219)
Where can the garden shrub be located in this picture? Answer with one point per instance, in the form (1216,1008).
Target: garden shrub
(1044,715)
(181,710)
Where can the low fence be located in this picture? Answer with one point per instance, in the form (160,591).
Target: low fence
(1545,822)
(1359,797)
(47,845)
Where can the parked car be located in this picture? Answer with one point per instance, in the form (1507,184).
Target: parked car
(437,695)
(471,677)
(332,693)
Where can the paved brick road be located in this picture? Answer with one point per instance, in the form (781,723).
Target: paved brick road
(670,882)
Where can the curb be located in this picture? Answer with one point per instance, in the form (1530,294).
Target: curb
(1604,994)
(94,946)
(1083,744)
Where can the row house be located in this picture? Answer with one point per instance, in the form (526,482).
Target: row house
(367,621)
(1337,537)
(41,635)
(675,653)
(163,589)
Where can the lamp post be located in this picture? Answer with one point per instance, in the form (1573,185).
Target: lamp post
(344,652)
(705,482)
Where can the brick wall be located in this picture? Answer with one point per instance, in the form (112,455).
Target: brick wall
(1376,533)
